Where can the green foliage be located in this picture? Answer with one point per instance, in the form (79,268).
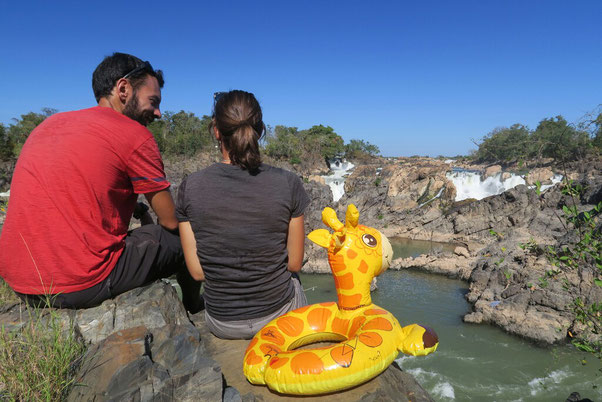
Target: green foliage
(583,253)
(39,361)
(360,149)
(504,144)
(553,138)
(284,143)
(289,143)
(323,138)
(596,135)
(13,137)
(182,133)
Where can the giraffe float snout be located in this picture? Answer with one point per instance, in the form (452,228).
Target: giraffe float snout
(387,254)
(369,337)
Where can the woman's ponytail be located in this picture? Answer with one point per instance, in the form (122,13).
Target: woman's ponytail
(239,120)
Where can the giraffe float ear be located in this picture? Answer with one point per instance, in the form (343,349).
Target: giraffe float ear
(321,237)
(352,216)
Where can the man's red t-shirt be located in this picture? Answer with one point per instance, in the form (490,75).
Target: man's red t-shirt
(73,192)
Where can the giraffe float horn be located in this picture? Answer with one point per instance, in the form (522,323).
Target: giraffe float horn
(352,216)
(329,217)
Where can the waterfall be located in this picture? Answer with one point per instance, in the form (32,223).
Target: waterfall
(339,168)
(469,183)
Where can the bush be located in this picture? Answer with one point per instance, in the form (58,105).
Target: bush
(504,145)
(182,133)
(360,149)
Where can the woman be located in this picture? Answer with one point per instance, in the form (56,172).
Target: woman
(241,226)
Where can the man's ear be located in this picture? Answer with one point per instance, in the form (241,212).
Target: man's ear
(123,90)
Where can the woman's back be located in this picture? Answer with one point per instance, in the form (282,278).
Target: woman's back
(241,221)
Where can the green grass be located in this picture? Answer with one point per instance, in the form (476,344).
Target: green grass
(38,362)
(6,294)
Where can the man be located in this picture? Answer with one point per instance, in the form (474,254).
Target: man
(74,190)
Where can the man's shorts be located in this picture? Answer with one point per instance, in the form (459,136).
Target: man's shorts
(151,252)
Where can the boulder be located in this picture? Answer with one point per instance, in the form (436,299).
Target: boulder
(141,346)
(492,171)
(542,175)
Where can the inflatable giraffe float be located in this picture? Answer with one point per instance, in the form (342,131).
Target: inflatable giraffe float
(369,337)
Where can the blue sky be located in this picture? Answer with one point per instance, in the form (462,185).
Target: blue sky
(414,78)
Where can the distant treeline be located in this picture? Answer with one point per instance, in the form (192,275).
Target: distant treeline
(553,138)
(184,133)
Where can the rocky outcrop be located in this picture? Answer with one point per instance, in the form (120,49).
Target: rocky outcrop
(142,346)
(512,284)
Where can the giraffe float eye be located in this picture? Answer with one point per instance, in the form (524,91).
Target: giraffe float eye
(369,240)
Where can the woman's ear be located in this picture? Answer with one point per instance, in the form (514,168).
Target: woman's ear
(218,136)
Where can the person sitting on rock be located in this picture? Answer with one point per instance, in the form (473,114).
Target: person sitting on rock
(241,226)
(65,239)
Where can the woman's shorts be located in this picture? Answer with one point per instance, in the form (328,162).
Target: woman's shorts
(246,329)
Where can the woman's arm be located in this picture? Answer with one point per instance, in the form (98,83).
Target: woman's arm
(295,243)
(189,247)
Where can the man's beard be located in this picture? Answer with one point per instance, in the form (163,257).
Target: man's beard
(131,110)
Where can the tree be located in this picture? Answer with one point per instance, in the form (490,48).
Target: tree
(323,139)
(6,145)
(504,144)
(284,143)
(360,149)
(555,138)
(597,136)
(18,132)
(182,133)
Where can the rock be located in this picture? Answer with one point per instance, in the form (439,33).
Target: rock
(462,251)
(492,171)
(144,347)
(542,175)
(392,384)
(317,179)
(150,306)
(141,346)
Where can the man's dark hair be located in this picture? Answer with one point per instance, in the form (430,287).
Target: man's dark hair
(116,66)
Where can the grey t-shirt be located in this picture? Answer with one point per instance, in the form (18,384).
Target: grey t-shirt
(240,223)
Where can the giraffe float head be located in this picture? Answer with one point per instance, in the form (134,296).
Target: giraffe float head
(356,254)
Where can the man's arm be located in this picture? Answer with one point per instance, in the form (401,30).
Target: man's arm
(164,207)
(295,243)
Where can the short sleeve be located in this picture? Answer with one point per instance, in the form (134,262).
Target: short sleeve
(181,203)
(145,168)
(300,199)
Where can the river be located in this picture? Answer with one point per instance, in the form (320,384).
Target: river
(473,362)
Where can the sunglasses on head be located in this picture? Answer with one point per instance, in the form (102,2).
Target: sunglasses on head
(145,66)
(217,96)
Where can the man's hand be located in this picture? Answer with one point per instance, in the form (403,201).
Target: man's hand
(164,207)
(141,213)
